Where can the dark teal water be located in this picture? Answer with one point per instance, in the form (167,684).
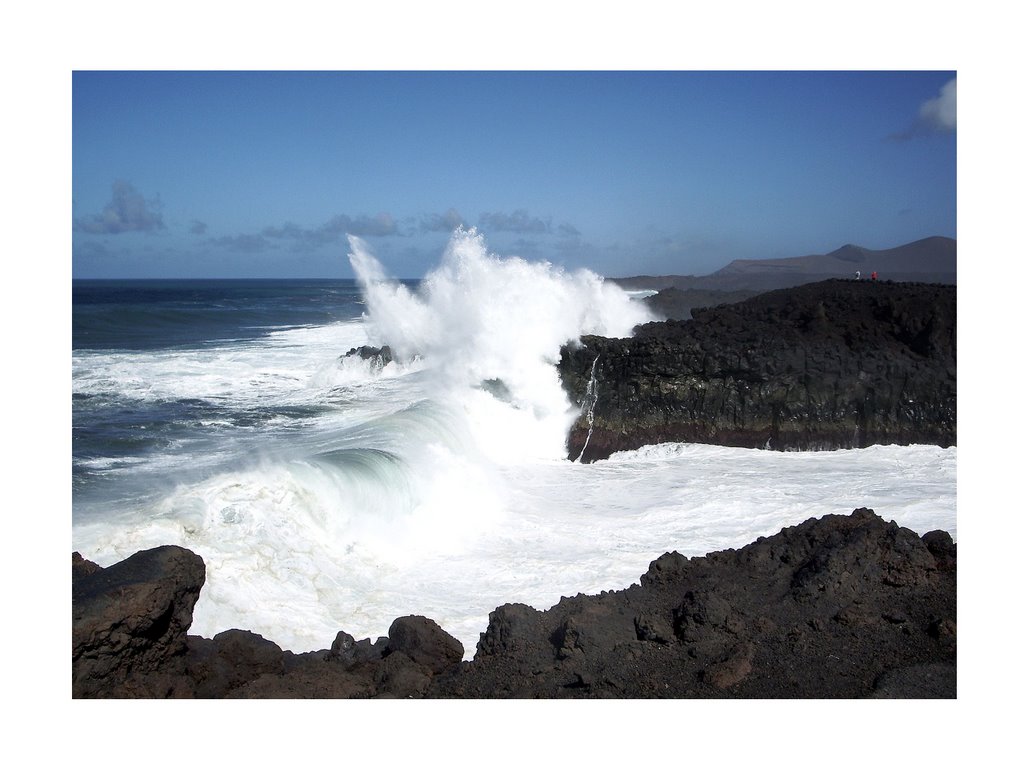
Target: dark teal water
(161,314)
(133,339)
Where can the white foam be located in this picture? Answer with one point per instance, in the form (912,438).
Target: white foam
(274,369)
(641,294)
(482,318)
(430,491)
(296,555)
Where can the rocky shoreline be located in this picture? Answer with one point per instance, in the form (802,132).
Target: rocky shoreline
(839,607)
(827,365)
(846,606)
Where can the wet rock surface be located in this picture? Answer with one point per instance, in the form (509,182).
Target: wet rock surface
(842,606)
(377,357)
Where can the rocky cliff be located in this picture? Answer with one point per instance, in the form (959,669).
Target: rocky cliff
(834,364)
(842,606)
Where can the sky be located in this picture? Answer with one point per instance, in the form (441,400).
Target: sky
(191,173)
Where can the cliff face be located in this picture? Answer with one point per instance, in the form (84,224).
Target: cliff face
(835,364)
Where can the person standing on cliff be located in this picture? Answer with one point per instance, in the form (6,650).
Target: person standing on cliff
(856,275)
(874,275)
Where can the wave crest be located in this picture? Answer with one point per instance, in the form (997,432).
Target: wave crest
(480,318)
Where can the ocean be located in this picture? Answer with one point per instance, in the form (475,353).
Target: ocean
(328,492)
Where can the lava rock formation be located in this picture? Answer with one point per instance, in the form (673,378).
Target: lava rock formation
(837,607)
(827,365)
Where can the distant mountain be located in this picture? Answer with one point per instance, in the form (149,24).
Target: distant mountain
(931,260)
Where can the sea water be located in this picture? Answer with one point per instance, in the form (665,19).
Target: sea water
(327,492)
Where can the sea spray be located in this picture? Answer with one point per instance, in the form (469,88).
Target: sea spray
(487,324)
(396,466)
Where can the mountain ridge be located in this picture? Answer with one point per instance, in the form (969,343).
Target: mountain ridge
(930,259)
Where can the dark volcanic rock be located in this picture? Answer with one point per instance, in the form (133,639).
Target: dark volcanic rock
(844,606)
(129,623)
(231,660)
(378,357)
(348,650)
(424,642)
(81,567)
(836,364)
(679,303)
(921,681)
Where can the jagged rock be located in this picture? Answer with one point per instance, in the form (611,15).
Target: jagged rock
(424,642)
(377,356)
(348,650)
(510,627)
(669,567)
(893,556)
(942,547)
(81,567)
(818,610)
(230,660)
(130,620)
(841,606)
(835,364)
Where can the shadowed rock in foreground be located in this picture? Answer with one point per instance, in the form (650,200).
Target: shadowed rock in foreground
(842,606)
(129,622)
(835,364)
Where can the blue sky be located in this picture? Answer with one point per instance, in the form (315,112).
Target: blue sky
(261,174)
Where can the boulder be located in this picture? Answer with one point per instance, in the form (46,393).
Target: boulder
(130,620)
(424,642)
(378,357)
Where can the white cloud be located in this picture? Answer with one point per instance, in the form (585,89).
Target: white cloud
(940,113)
